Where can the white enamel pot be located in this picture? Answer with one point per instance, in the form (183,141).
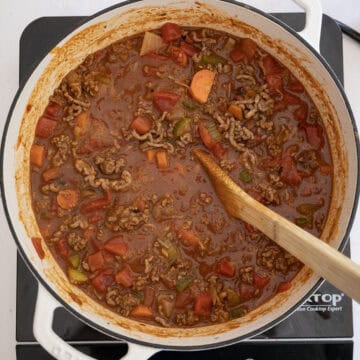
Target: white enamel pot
(299,52)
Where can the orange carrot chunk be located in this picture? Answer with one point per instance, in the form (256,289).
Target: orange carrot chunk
(201,85)
(142,311)
(124,277)
(45,127)
(162,160)
(141,125)
(188,237)
(51,174)
(67,199)
(37,155)
(96,261)
(82,123)
(116,246)
(150,155)
(236,111)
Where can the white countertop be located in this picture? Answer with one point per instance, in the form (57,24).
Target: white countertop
(16,14)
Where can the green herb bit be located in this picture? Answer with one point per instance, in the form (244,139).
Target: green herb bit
(301,221)
(233,298)
(245,176)
(138,294)
(189,106)
(212,59)
(182,127)
(237,312)
(183,283)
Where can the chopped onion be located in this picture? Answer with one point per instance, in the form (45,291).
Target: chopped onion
(151,42)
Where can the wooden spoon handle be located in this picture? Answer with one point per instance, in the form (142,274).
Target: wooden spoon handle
(318,255)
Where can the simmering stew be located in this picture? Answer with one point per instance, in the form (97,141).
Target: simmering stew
(128,212)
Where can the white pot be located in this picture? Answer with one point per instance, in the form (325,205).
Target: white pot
(99,31)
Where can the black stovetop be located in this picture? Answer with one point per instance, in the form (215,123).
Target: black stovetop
(321,329)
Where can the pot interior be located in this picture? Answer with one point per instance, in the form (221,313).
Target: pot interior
(123,21)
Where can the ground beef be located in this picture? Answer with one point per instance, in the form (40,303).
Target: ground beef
(266,257)
(62,144)
(247,274)
(127,217)
(187,318)
(76,242)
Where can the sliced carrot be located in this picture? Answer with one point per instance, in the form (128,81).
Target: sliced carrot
(236,111)
(162,160)
(150,155)
(51,174)
(201,85)
(142,311)
(141,125)
(37,155)
(188,237)
(67,199)
(38,247)
(82,123)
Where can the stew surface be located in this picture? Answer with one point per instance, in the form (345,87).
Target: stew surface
(125,208)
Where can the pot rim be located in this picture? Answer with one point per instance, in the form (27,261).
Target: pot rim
(111,333)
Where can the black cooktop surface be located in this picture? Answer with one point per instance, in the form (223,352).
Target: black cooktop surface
(321,329)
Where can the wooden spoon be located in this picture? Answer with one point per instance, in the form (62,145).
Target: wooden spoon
(313,252)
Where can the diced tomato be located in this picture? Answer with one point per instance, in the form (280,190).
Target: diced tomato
(93,219)
(274,81)
(188,49)
(45,127)
(289,172)
(284,286)
(170,32)
(157,56)
(261,281)
(102,281)
(249,228)
(36,241)
(53,110)
(142,311)
(206,138)
(202,305)
(296,86)
(214,146)
(62,248)
(225,267)
(149,295)
(325,169)
(183,299)
(164,100)
(270,65)
(124,277)
(246,292)
(179,56)
(188,237)
(290,99)
(249,47)
(51,174)
(141,125)
(96,261)
(237,55)
(244,50)
(96,204)
(218,150)
(301,112)
(117,246)
(314,135)
(269,163)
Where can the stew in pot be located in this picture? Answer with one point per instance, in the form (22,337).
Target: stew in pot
(130,215)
